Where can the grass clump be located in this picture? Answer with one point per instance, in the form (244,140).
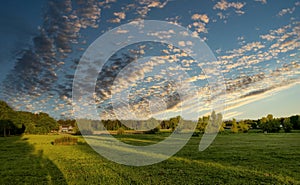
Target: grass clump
(66,140)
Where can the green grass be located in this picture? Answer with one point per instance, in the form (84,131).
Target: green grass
(251,158)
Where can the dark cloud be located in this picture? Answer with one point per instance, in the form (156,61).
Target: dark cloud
(37,67)
(256,92)
(242,82)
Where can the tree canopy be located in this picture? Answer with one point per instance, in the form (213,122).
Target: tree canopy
(18,122)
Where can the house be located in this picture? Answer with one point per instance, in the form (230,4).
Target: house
(65,128)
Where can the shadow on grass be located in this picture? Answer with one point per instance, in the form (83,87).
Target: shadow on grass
(231,159)
(21,164)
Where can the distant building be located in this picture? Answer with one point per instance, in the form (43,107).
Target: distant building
(65,128)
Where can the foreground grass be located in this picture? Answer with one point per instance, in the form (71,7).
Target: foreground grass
(254,158)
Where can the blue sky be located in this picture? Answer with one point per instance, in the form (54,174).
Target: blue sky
(256,44)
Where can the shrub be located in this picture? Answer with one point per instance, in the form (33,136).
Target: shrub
(66,140)
(120,131)
(153,131)
(196,134)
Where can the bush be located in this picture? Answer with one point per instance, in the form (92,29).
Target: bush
(272,126)
(120,131)
(66,140)
(196,134)
(153,131)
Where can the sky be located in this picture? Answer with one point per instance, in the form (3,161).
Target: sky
(254,46)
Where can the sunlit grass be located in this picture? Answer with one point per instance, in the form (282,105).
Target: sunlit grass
(254,158)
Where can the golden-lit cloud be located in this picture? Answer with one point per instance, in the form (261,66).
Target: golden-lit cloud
(202,17)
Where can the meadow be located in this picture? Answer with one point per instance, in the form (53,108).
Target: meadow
(243,158)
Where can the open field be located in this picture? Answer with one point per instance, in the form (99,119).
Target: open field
(253,158)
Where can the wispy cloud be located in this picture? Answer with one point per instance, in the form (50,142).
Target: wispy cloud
(224,5)
(262,1)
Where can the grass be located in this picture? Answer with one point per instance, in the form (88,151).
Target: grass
(251,158)
(65,140)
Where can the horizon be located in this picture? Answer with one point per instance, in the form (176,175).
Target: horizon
(257,59)
(229,119)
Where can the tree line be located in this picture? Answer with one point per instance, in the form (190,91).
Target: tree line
(18,122)
(266,124)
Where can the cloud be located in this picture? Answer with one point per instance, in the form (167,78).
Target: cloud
(224,5)
(202,17)
(268,37)
(286,11)
(262,1)
(199,27)
(39,66)
(199,77)
(45,71)
(146,5)
(121,15)
(230,115)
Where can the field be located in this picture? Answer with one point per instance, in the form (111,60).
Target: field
(251,158)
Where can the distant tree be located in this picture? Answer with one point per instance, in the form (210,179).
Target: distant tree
(295,121)
(270,124)
(202,123)
(165,124)
(154,130)
(174,122)
(269,117)
(234,127)
(120,131)
(286,125)
(215,123)
(263,120)
(67,122)
(252,123)
(45,123)
(220,120)
(6,113)
(243,126)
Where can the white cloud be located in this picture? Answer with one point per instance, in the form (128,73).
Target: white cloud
(202,17)
(286,11)
(224,5)
(262,1)
(121,15)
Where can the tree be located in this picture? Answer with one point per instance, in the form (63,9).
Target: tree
(223,125)
(269,117)
(242,126)
(215,123)
(174,122)
(120,131)
(286,125)
(6,113)
(270,124)
(234,127)
(295,121)
(263,120)
(251,123)
(45,123)
(202,123)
